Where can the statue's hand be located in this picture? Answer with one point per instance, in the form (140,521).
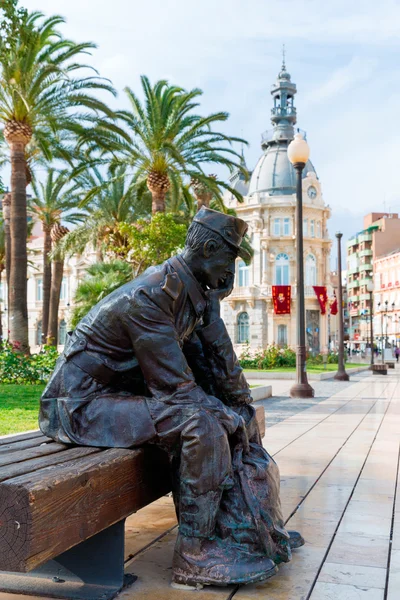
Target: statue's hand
(214,297)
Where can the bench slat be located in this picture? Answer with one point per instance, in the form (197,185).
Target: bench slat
(19,437)
(51,510)
(17,446)
(30,466)
(8,458)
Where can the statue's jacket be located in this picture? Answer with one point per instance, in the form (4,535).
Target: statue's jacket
(143,343)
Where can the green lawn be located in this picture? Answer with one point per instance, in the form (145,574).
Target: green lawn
(19,407)
(310,369)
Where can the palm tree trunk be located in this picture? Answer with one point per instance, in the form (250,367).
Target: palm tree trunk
(1,313)
(158,202)
(6,204)
(18,308)
(56,281)
(46,280)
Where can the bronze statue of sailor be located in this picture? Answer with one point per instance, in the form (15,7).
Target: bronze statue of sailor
(152,363)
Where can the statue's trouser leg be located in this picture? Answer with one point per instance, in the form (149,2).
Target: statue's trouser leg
(205,469)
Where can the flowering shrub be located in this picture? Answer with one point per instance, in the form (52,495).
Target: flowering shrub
(268,358)
(273,357)
(26,369)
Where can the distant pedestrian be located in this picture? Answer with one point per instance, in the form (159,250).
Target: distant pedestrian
(397,353)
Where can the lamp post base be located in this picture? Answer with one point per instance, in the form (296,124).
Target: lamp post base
(301,390)
(341,376)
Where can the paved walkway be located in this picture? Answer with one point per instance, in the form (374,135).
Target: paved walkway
(339,461)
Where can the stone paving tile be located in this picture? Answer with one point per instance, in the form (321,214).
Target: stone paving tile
(356,575)
(333,591)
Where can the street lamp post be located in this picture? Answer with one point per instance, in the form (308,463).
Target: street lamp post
(341,374)
(370,288)
(298,153)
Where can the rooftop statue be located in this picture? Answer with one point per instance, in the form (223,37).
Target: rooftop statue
(152,363)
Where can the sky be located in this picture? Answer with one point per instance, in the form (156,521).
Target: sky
(343,56)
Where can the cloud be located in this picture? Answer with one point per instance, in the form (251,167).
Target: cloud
(357,71)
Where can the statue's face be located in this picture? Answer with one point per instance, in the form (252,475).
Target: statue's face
(219,268)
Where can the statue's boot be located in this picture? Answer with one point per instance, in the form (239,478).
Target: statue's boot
(200,561)
(296,540)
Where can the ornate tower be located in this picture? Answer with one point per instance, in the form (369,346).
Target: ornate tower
(283,113)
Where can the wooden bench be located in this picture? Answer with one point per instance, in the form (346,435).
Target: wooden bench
(379,369)
(62,513)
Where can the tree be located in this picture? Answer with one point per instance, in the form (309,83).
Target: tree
(113,200)
(2,268)
(150,242)
(57,233)
(100,280)
(168,143)
(53,200)
(42,93)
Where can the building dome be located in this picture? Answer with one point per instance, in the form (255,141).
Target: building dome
(274,173)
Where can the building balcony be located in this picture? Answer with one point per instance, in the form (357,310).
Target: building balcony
(366,252)
(365,280)
(365,267)
(364,296)
(353,284)
(353,270)
(353,298)
(365,237)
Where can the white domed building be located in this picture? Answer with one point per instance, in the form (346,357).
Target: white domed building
(269,209)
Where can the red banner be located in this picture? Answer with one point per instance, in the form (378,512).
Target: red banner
(334,306)
(322,295)
(281,295)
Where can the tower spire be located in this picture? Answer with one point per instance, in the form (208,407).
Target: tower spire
(283,113)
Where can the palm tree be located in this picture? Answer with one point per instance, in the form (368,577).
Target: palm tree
(168,143)
(2,268)
(57,233)
(41,95)
(52,200)
(113,200)
(100,280)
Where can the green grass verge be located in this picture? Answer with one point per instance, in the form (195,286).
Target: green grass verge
(310,369)
(19,407)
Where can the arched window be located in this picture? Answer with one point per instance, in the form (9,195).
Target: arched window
(282,269)
(244,274)
(311,270)
(282,335)
(243,328)
(62,332)
(39,333)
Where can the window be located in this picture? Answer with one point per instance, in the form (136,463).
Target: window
(39,333)
(244,274)
(282,269)
(62,332)
(305,227)
(286,226)
(282,335)
(311,270)
(318,229)
(63,289)
(39,290)
(243,328)
(312,228)
(277,227)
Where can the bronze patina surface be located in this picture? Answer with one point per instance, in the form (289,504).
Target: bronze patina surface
(153,363)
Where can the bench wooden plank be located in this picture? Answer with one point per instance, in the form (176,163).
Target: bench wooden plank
(51,510)
(30,466)
(19,437)
(17,446)
(8,458)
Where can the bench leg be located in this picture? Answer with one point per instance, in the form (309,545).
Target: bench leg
(92,570)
